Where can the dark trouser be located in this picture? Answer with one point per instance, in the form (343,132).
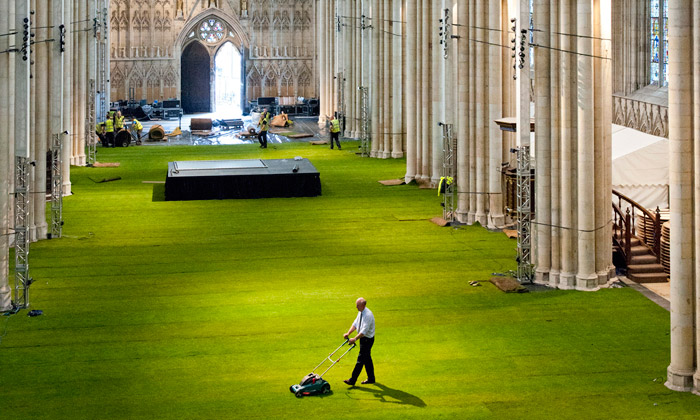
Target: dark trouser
(262,138)
(364,359)
(336,137)
(110,138)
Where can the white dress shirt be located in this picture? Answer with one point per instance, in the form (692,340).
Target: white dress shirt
(364,323)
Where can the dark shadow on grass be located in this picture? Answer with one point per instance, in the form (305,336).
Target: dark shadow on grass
(158,192)
(389,395)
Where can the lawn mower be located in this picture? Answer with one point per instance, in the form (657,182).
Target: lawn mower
(314,383)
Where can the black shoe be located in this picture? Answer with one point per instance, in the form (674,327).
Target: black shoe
(367,382)
(347,381)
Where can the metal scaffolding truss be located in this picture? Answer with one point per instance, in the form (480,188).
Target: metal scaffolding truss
(102,66)
(365,136)
(449,153)
(56,186)
(340,114)
(90,141)
(22,280)
(524,212)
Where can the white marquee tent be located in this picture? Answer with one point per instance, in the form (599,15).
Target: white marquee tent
(640,164)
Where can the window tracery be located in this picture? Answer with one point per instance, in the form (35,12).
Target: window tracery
(212,31)
(658,12)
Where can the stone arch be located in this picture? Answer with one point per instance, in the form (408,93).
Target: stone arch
(240,39)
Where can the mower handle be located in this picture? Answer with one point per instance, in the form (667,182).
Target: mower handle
(332,353)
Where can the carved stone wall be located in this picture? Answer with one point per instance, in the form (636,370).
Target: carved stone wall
(281,61)
(276,39)
(642,116)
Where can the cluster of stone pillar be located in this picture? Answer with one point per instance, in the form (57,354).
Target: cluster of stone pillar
(326,31)
(573,118)
(684,134)
(452,64)
(45,95)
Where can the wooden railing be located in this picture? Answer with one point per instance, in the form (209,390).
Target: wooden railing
(625,225)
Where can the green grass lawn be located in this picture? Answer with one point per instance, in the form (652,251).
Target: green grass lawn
(212,309)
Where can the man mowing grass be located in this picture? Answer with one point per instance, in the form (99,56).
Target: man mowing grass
(364,324)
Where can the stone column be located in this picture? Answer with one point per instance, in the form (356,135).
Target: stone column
(322,59)
(462,118)
(416,113)
(67,94)
(554,112)
(473,63)
(585,277)
(496,218)
(481,113)
(425,104)
(682,202)
(603,140)
(39,133)
(411,108)
(351,57)
(6,163)
(376,77)
(436,99)
(56,69)
(397,131)
(567,80)
(696,198)
(359,68)
(343,50)
(386,112)
(81,93)
(542,231)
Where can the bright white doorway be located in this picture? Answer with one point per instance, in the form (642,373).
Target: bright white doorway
(228,83)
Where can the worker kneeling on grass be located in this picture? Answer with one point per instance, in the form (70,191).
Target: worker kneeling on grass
(100,131)
(137,127)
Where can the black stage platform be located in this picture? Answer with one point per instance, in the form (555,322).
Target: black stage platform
(252,178)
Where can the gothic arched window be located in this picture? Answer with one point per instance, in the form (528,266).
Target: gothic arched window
(658,25)
(212,31)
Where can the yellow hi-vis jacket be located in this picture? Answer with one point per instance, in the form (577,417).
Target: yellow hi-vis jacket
(137,125)
(444,182)
(109,126)
(119,122)
(335,126)
(264,124)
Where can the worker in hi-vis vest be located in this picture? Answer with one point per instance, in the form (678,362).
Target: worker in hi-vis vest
(264,125)
(138,128)
(335,132)
(109,132)
(100,131)
(118,121)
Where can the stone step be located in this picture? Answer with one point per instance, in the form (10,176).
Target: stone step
(639,250)
(645,268)
(643,259)
(648,277)
(633,242)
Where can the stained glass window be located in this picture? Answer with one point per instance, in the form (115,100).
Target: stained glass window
(658,25)
(212,31)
